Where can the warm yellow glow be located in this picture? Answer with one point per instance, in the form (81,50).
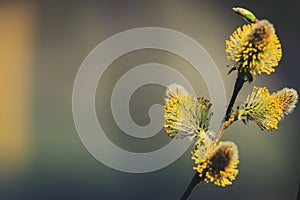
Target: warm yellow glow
(16,39)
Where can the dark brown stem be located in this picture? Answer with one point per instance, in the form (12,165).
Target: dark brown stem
(196,179)
(237,88)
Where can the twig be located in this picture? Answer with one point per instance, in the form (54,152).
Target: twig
(226,122)
(220,132)
(237,88)
(196,179)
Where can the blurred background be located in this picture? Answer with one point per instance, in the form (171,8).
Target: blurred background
(43,44)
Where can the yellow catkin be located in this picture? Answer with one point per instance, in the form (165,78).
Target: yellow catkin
(254,48)
(219,165)
(267,109)
(185,115)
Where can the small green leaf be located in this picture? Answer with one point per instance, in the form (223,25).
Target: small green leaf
(249,16)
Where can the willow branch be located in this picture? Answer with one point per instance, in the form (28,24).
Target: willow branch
(196,179)
(239,82)
(226,122)
(237,88)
